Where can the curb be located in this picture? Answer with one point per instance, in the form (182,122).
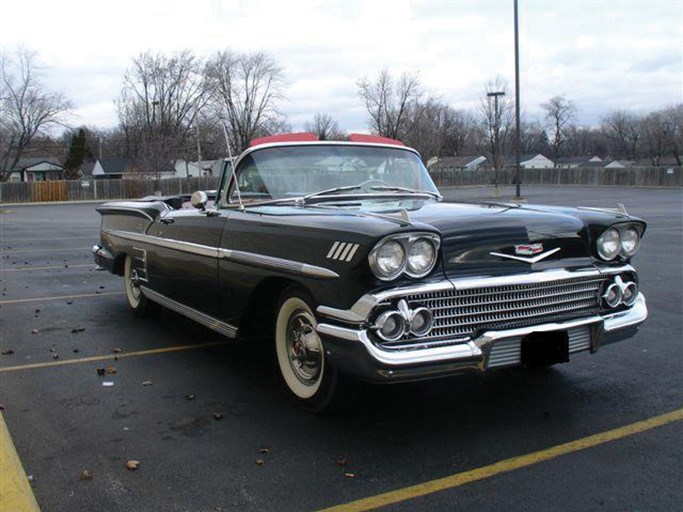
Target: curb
(16,493)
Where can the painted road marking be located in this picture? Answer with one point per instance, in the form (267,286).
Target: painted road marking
(67,266)
(120,355)
(16,251)
(17,240)
(60,297)
(15,491)
(505,466)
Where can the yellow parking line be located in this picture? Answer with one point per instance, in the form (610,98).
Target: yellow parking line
(47,268)
(507,465)
(15,491)
(107,357)
(42,239)
(59,297)
(16,251)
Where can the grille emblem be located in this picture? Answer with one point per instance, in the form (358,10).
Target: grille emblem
(534,257)
(528,249)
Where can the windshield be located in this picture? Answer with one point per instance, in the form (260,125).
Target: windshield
(298,171)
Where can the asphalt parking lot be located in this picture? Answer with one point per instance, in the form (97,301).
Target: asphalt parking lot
(213,430)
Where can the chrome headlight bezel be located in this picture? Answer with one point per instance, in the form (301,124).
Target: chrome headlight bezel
(628,241)
(376,260)
(632,230)
(408,242)
(608,238)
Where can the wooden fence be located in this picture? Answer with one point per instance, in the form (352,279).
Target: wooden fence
(88,190)
(628,177)
(105,190)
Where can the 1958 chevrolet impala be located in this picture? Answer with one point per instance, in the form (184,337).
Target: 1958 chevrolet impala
(346,256)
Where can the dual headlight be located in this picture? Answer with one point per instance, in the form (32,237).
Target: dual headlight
(413,254)
(620,240)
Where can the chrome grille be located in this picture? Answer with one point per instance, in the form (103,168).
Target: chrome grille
(460,314)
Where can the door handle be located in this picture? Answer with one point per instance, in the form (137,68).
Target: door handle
(167,221)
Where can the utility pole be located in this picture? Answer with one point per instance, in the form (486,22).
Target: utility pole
(496,139)
(518,192)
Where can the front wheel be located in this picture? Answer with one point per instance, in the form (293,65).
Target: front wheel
(309,377)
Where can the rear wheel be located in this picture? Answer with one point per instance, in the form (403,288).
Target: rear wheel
(140,304)
(307,374)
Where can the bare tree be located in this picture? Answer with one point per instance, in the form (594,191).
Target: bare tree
(390,103)
(459,130)
(533,138)
(673,131)
(246,88)
(158,105)
(497,119)
(559,114)
(623,129)
(26,107)
(325,127)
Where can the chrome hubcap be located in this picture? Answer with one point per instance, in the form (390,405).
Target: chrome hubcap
(304,347)
(134,283)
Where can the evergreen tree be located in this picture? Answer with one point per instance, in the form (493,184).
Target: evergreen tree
(76,156)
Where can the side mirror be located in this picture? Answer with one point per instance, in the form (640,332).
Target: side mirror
(199,200)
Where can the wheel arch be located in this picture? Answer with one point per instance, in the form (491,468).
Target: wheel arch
(258,318)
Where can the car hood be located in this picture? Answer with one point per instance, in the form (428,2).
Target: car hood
(498,239)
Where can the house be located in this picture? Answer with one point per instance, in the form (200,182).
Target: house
(460,163)
(205,168)
(570,162)
(619,164)
(111,168)
(530,161)
(38,169)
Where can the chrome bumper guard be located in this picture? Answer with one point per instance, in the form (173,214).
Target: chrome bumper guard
(353,351)
(102,257)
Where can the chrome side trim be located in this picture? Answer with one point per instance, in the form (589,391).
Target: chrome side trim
(212,323)
(246,258)
(127,209)
(282,265)
(169,243)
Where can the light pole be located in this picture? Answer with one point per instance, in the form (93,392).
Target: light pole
(496,149)
(518,192)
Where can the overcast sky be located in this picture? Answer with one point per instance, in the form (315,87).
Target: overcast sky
(601,54)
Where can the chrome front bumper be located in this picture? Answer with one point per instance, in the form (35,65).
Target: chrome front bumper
(351,350)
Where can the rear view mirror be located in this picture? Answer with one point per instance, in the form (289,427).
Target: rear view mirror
(199,199)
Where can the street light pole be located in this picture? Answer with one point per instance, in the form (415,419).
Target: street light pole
(496,141)
(518,192)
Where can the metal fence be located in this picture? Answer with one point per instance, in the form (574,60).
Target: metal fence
(85,190)
(628,177)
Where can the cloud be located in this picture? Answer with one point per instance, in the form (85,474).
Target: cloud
(598,53)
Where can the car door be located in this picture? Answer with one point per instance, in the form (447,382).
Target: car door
(182,263)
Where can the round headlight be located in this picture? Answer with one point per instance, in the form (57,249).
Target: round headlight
(422,322)
(609,244)
(391,325)
(613,295)
(630,239)
(630,294)
(387,259)
(421,257)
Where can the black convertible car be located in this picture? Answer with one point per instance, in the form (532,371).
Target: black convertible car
(344,254)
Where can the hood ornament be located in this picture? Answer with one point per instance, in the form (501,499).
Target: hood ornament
(528,253)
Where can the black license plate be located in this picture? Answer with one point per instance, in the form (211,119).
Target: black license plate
(545,348)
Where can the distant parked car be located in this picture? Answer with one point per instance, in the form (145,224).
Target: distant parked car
(345,255)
